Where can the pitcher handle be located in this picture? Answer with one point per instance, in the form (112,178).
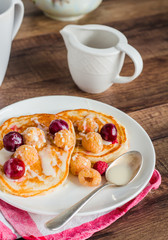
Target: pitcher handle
(135,57)
(18,16)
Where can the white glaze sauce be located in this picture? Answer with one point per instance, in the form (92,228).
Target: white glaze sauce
(63,158)
(33,174)
(4,156)
(101,120)
(119,174)
(106,143)
(46,161)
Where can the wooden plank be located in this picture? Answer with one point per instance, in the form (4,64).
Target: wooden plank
(47,70)
(154,120)
(45,63)
(112,12)
(153,28)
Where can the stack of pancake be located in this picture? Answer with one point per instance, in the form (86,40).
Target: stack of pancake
(51,168)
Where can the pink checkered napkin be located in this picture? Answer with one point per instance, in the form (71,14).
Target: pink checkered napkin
(31,226)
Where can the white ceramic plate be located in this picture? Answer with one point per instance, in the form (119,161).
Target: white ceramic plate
(72,191)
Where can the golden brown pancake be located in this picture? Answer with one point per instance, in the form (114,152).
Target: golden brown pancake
(110,151)
(43,174)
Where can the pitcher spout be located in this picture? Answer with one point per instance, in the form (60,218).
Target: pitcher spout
(66,33)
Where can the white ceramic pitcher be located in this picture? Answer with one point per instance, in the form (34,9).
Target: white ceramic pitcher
(96,55)
(11,15)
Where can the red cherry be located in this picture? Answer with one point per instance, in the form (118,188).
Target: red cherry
(58,125)
(14,168)
(109,132)
(12,140)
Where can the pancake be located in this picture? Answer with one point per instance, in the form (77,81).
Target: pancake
(110,150)
(46,165)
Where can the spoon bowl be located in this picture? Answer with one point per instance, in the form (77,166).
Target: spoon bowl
(124,169)
(120,172)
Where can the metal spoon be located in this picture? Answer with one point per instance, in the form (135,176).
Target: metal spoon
(120,172)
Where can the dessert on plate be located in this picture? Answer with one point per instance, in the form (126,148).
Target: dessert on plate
(35,153)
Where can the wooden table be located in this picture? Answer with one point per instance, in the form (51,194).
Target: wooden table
(38,66)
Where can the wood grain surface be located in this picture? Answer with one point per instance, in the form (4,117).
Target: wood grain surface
(38,67)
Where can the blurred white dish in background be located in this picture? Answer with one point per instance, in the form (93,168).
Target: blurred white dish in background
(11,16)
(67,10)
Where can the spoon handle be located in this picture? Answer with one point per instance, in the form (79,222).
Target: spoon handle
(61,219)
